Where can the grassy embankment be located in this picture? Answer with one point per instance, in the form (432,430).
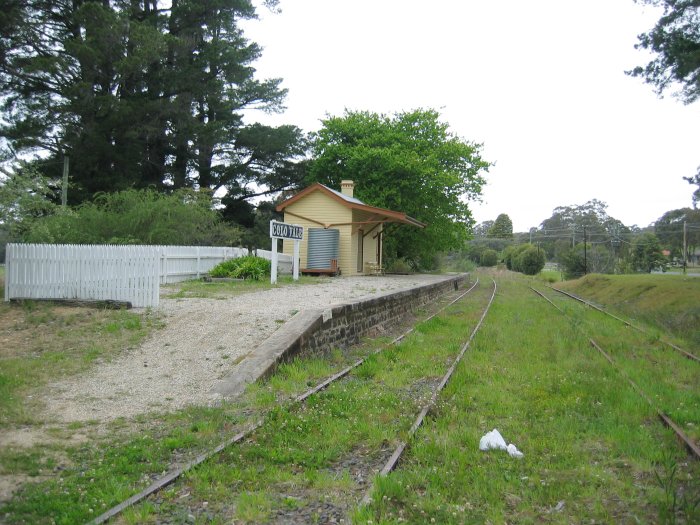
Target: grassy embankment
(594,451)
(669,302)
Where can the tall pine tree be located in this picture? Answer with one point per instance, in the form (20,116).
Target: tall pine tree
(142,93)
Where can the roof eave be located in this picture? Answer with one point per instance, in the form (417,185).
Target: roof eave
(395,215)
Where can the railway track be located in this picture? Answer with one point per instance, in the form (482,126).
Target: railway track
(391,463)
(176,473)
(691,445)
(627,323)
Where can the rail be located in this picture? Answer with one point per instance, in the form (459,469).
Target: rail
(665,419)
(638,328)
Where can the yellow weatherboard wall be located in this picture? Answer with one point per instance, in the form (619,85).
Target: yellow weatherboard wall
(326,210)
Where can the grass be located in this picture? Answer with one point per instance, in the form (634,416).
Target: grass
(594,451)
(89,478)
(549,276)
(76,481)
(221,289)
(664,374)
(293,453)
(300,452)
(45,341)
(669,302)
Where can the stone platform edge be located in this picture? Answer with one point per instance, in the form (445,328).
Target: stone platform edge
(317,330)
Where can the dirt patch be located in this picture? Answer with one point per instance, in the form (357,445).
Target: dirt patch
(31,331)
(9,485)
(32,437)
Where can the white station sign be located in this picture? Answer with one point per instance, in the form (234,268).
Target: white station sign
(291,232)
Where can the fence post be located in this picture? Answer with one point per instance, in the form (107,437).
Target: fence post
(198,262)
(8,269)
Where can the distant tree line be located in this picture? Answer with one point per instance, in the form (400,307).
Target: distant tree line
(585,239)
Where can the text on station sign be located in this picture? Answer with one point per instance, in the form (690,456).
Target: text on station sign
(286,231)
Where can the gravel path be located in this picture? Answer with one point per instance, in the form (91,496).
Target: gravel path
(201,343)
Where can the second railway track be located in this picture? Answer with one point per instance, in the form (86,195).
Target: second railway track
(661,377)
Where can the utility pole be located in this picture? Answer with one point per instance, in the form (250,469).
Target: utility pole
(585,252)
(685,246)
(616,242)
(64,188)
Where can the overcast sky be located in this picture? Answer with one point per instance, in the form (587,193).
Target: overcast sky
(540,84)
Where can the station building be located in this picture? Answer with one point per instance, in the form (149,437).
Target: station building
(341,233)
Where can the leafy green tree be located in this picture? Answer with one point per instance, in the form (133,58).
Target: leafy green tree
(409,162)
(184,217)
(675,40)
(645,254)
(257,234)
(669,230)
(565,228)
(25,197)
(482,240)
(572,263)
(502,228)
(475,247)
(590,258)
(482,229)
(696,181)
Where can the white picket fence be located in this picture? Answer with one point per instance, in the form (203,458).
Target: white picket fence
(109,272)
(180,263)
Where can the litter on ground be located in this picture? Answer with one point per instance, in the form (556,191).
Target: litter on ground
(494,440)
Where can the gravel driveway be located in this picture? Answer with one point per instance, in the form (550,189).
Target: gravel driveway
(202,341)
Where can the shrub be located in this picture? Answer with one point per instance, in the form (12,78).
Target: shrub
(529,261)
(524,258)
(489,258)
(183,217)
(399,266)
(510,256)
(248,267)
(572,262)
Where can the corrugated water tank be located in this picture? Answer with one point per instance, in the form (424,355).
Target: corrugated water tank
(322,247)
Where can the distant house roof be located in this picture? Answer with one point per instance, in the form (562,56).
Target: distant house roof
(353,203)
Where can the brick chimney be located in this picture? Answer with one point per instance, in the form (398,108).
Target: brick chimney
(347,187)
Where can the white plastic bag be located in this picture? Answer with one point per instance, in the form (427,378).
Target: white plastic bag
(494,440)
